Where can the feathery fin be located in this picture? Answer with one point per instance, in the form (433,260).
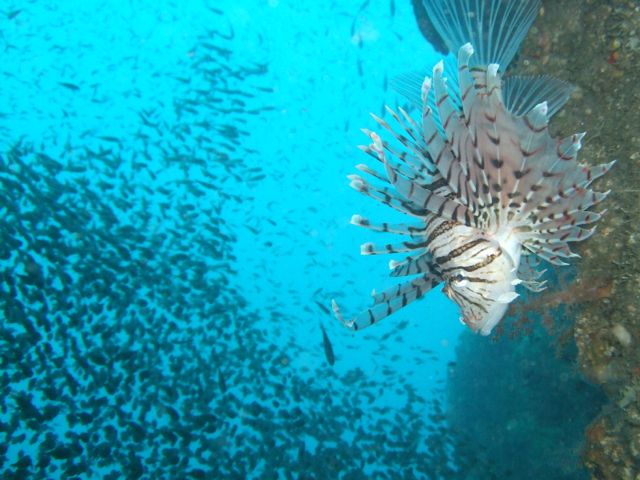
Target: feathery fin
(495,28)
(389,301)
(522,93)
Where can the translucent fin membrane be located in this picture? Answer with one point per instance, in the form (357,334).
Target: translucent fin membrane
(409,84)
(521,94)
(495,28)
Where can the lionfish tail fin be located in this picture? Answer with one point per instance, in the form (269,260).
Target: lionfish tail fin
(522,93)
(496,28)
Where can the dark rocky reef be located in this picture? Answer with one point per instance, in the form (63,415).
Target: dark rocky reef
(596,45)
(519,407)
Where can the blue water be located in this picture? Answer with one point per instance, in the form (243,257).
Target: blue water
(201,149)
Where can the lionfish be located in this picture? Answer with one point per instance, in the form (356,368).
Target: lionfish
(488,186)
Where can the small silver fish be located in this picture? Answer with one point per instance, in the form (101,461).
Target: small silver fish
(486,183)
(328,348)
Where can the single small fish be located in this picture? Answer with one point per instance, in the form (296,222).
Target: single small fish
(13,14)
(479,172)
(109,138)
(328,348)
(222,383)
(70,86)
(322,307)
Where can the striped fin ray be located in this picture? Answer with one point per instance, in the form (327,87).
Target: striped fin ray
(411,126)
(471,86)
(370,248)
(452,124)
(462,133)
(423,197)
(413,265)
(466,80)
(401,167)
(417,155)
(569,234)
(551,253)
(401,289)
(370,171)
(430,201)
(470,156)
(402,229)
(557,177)
(415,167)
(390,197)
(438,184)
(410,144)
(389,302)
(435,184)
(529,276)
(572,178)
(385,196)
(440,146)
(544,167)
(489,151)
(568,219)
(580,199)
(562,222)
(530,173)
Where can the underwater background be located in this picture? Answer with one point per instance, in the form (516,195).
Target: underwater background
(174,222)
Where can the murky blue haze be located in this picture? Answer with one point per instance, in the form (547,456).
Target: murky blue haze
(183,225)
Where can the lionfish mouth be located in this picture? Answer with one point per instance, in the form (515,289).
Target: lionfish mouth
(484,323)
(479,172)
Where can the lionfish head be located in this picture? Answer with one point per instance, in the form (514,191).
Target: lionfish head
(483,295)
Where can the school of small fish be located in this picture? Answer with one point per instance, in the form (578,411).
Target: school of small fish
(127,349)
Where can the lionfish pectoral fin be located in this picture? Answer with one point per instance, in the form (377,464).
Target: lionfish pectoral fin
(414,265)
(389,301)
(338,314)
(534,285)
(528,276)
(414,231)
(507,297)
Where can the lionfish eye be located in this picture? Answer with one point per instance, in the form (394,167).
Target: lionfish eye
(458,278)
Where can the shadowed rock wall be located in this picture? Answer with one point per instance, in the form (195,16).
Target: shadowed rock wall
(596,45)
